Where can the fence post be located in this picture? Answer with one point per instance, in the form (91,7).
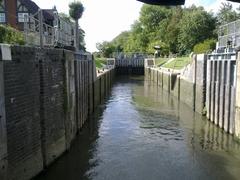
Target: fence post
(40,16)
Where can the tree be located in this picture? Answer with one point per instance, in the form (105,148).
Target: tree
(120,40)
(226,14)
(81,40)
(196,26)
(206,46)
(75,11)
(106,49)
(82,44)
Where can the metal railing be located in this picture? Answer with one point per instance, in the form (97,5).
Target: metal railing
(38,33)
(229,35)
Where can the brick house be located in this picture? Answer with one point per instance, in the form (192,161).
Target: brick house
(12,12)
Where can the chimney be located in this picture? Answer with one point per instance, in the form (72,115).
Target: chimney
(11,9)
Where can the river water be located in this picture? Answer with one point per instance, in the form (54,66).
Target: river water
(142,133)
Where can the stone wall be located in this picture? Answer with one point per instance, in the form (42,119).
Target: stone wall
(46,96)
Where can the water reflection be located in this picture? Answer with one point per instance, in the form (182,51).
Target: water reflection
(142,133)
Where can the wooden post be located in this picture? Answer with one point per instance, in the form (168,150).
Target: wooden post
(208,89)
(212,111)
(221,95)
(40,17)
(217,92)
(227,97)
(237,114)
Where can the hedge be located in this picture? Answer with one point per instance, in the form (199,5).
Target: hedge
(10,35)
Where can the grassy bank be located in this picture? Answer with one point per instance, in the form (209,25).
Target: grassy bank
(100,62)
(178,63)
(161,61)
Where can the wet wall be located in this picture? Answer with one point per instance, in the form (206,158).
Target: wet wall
(46,96)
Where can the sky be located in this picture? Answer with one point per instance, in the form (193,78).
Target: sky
(103,20)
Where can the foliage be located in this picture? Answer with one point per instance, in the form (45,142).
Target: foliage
(76,10)
(227,14)
(205,46)
(106,48)
(161,61)
(178,63)
(82,44)
(66,17)
(11,36)
(100,62)
(196,25)
(175,29)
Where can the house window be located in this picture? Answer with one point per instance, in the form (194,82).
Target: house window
(2,18)
(21,17)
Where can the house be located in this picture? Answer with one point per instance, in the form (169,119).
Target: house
(56,31)
(12,12)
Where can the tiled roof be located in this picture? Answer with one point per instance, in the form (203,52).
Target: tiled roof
(30,5)
(33,8)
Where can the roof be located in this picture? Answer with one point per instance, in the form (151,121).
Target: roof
(33,8)
(164,2)
(30,5)
(48,14)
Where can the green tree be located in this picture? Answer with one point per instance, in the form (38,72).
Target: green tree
(226,14)
(75,11)
(172,30)
(138,39)
(106,49)
(205,46)
(120,40)
(196,25)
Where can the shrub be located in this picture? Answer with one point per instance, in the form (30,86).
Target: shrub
(11,36)
(205,46)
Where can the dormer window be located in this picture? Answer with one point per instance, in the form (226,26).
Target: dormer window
(2,12)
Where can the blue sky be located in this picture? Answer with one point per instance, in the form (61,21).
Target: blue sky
(105,19)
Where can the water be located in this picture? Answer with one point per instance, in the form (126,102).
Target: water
(142,133)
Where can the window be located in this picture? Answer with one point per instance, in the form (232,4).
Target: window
(21,17)
(2,18)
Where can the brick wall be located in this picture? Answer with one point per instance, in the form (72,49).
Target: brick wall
(11,16)
(3,130)
(47,95)
(21,83)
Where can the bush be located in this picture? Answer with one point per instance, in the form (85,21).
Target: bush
(11,36)
(205,46)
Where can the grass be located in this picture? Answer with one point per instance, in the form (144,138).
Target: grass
(161,61)
(178,63)
(100,62)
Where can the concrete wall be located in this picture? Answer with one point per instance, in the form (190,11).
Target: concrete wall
(237,115)
(133,64)
(221,90)
(188,85)
(46,96)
